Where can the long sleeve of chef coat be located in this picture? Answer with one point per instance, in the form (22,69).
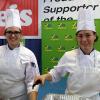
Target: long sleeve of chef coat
(32,70)
(65,65)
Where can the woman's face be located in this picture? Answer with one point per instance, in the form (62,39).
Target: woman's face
(85,39)
(13,36)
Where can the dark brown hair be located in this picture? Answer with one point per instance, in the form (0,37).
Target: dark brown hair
(93,33)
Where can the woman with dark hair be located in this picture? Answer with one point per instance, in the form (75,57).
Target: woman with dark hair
(82,64)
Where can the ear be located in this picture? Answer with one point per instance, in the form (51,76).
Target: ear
(96,38)
(5,32)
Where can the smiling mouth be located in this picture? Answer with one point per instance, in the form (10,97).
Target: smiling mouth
(84,44)
(13,39)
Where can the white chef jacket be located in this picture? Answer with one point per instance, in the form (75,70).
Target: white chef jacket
(18,68)
(84,72)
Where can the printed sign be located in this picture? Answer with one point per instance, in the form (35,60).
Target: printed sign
(66,9)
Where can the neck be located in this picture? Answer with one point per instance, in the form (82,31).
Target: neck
(87,52)
(12,47)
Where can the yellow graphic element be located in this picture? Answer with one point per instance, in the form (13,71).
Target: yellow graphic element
(61,26)
(54,60)
(74,26)
(48,48)
(68,37)
(54,37)
(61,49)
(48,26)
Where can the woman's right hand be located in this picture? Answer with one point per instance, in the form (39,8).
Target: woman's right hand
(41,78)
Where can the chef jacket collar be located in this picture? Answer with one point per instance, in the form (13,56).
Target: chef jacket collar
(81,52)
(13,48)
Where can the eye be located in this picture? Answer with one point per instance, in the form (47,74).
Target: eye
(88,35)
(79,36)
(16,32)
(9,32)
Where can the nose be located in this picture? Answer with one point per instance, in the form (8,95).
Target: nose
(84,38)
(13,35)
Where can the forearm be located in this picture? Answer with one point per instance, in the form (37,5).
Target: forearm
(33,95)
(48,77)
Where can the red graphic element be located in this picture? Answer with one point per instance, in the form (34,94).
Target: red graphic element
(28,13)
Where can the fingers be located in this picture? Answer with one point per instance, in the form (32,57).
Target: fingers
(40,80)
(36,83)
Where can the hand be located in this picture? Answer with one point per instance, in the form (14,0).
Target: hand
(38,80)
(36,83)
(41,79)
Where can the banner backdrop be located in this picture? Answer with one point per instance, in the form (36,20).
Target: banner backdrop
(28,13)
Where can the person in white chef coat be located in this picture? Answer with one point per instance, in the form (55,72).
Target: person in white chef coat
(18,64)
(82,64)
